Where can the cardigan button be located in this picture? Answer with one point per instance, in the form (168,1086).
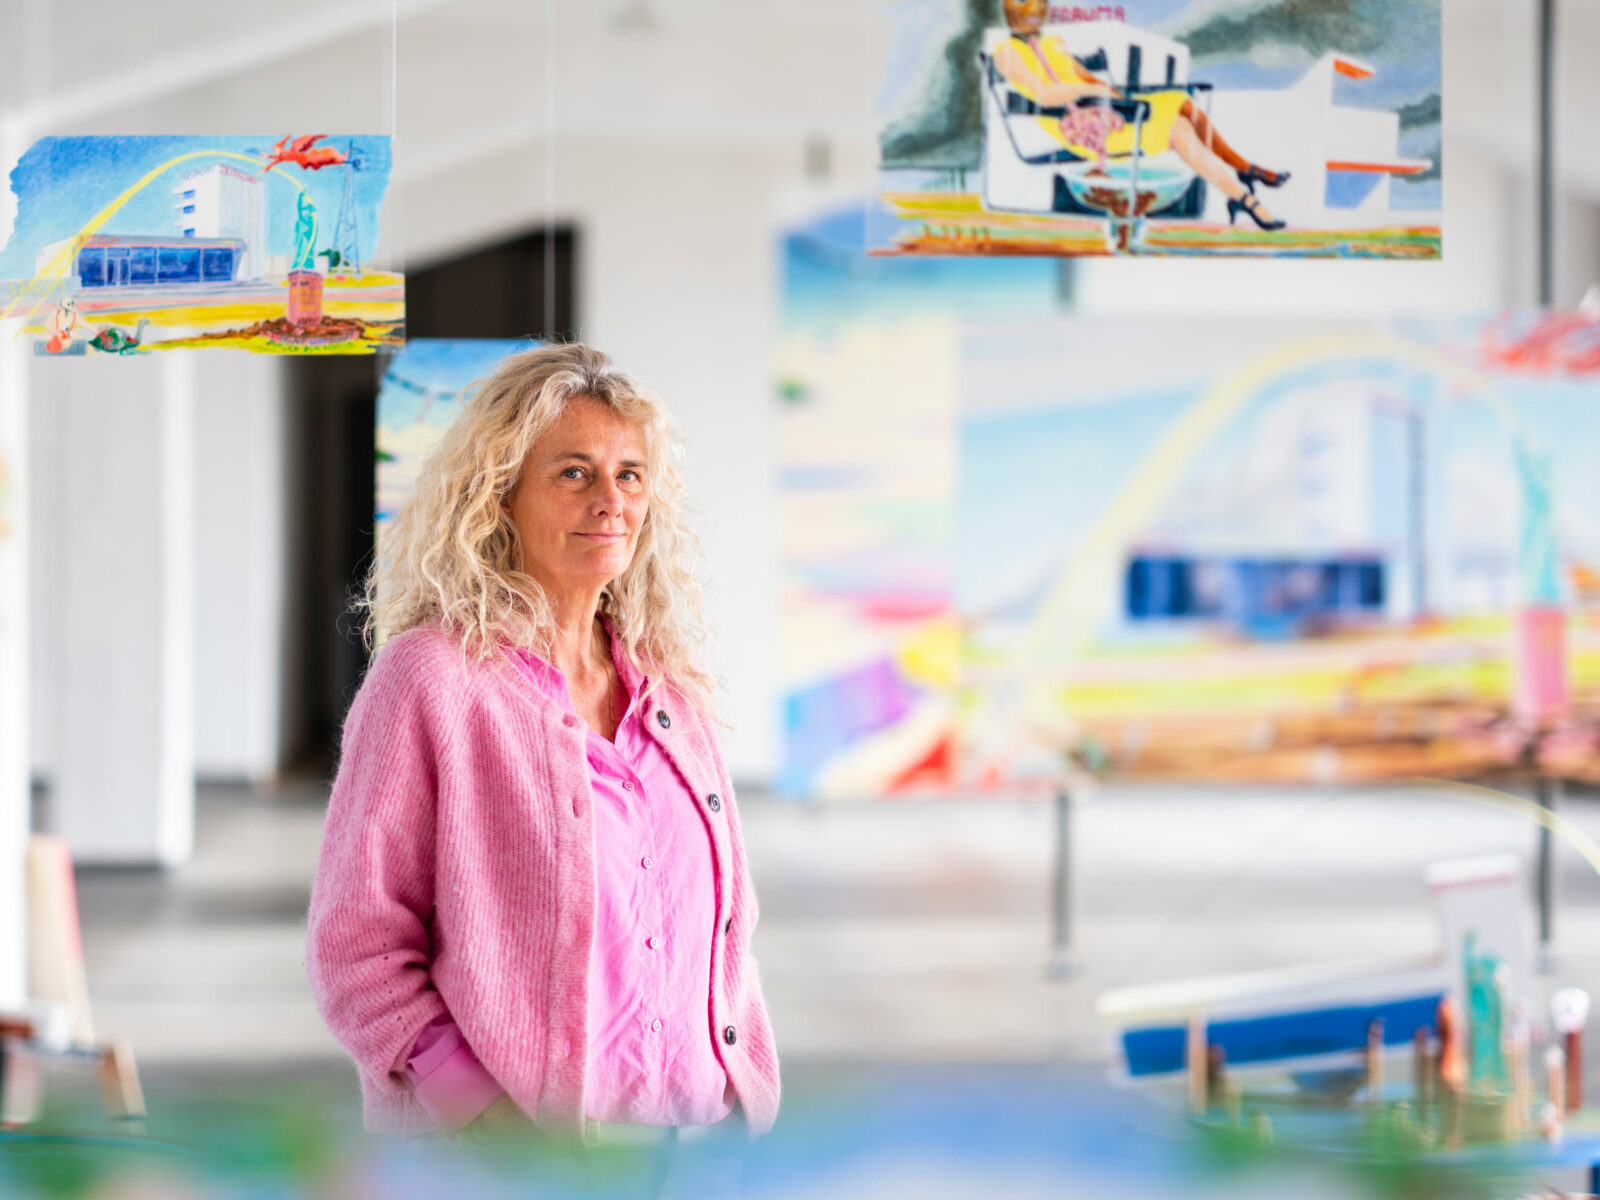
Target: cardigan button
(727,925)
(662,719)
(730,1035)
(716,805)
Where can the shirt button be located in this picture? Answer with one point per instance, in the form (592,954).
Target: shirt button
(662,719)
(653,942)
(627,785)
(647,862)
(655,1026)
(730,1035)
(716,804)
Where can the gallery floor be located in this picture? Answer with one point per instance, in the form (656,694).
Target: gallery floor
(903,946)
(896,932)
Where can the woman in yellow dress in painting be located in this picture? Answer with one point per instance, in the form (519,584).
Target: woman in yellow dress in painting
(1044,70)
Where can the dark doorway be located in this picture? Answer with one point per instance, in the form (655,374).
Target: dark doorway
(494,291)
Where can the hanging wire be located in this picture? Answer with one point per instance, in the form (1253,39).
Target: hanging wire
(550,169)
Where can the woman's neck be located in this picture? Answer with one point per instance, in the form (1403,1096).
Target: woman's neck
(575,646)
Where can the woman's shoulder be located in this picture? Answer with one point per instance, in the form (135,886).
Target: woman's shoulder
(427,662)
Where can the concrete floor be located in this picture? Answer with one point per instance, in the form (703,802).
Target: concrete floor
(892,933)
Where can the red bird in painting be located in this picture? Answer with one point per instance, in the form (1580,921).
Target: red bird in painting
(300,151)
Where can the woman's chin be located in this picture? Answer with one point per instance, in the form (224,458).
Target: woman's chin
(604,563)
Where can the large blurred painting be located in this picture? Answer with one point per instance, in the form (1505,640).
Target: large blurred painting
(1185,551)
(128,245)
(1015,539)
(1165,127)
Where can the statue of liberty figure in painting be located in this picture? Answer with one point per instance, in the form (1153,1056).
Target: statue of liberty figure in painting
(1486,980)
(305,235)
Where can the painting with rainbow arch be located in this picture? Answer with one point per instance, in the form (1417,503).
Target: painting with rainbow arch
(129,245)
(1266,128)
(1016,541)
(1313,555)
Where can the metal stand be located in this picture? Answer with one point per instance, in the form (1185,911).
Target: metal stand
(1547,168)
(1063,958)
(1549,794)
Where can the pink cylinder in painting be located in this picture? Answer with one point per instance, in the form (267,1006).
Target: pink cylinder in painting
(305,298)
(1541,662)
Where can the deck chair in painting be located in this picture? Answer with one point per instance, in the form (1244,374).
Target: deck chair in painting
(1027,169)
(54,1029)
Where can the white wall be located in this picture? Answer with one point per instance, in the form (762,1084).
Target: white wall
(241,514)
(238,446)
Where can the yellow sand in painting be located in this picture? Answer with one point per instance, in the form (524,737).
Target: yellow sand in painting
(238,315)
(957,223)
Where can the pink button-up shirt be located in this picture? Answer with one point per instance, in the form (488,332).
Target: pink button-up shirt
(651,1060)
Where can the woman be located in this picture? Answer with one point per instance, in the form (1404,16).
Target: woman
(1044,70)
(532,905)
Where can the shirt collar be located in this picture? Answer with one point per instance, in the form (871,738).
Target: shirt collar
(553,684)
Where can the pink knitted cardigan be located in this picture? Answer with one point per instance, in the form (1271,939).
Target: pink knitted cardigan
(457,875)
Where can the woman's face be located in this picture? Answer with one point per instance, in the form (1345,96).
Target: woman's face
(582,499)
(1026,16)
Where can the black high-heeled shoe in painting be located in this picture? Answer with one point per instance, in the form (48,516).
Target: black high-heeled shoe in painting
(1252,175)
(1250,205)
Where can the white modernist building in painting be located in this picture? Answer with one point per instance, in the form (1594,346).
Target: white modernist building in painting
(221,201)
(1340,158)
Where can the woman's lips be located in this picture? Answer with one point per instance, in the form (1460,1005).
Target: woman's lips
(603,537)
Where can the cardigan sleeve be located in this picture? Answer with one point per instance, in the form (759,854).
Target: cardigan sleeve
(369,949)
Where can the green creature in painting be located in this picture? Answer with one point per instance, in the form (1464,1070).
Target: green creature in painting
(114,341)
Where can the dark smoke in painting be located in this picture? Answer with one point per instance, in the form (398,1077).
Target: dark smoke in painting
(1400,28)
(946,129)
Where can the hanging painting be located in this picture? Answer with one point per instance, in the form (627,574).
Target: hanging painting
(421,392)
(124,245)
(1012,538)
(1162,127)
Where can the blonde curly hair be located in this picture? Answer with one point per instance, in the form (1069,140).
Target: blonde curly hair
(453,555)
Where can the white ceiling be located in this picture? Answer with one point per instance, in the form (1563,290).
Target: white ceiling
(755,74)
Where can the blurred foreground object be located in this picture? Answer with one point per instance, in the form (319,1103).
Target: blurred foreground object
(55,1027)
(1469,1108)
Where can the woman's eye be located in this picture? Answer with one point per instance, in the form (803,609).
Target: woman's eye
(629,477)
(572,473)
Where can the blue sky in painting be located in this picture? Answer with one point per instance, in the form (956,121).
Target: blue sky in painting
(1034,482)
(63,182)
(828,276)
(437,367)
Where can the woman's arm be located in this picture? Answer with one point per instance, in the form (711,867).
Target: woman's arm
(369,950)
(1046,92)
